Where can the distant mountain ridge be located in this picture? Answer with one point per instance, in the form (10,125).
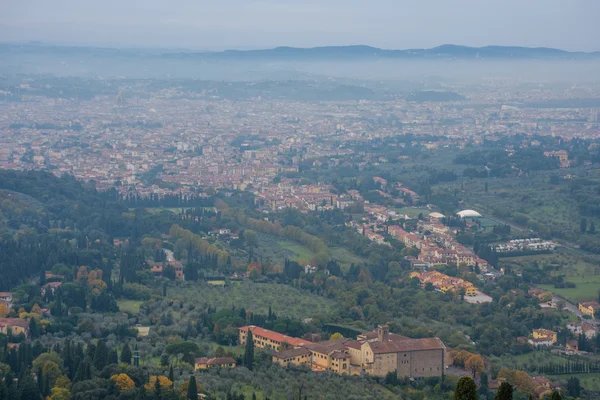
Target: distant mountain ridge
(444,51)
(355,52)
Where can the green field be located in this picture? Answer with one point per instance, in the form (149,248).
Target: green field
(584,275)
(586,290)
(301,252)
(588,381)
(345,257)
(130,306)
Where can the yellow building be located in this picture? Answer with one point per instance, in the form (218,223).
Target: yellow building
(545,334)
(14,325)
(301,356)
(590,308)
(331,355)
(218,362)
(264,338)
(471,291)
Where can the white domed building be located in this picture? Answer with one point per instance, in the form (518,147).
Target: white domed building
(469,214)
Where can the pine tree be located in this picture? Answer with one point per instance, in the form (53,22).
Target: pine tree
(249,353)
(505,392)
(466,389)
(126,354)
(192,392)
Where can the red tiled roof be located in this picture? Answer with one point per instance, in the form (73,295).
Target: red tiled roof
(215,361)
(275,336)
(407,345)
(292,353)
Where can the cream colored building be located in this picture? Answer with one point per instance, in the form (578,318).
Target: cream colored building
(374,353)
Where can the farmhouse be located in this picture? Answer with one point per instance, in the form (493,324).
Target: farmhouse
(590,308)
(218,362)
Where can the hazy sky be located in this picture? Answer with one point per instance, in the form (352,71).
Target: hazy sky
(217,24)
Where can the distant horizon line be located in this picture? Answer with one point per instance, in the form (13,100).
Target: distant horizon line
(218,49)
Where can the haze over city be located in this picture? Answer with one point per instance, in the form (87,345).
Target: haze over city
(242,24)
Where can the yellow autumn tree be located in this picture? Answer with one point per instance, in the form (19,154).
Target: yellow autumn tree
(58,393)
(36,310)
(164,382)
(63,382)
(475,364)
(82,273)
(336,335)
(3,310)
(123,381)
(520,379)
(51,372)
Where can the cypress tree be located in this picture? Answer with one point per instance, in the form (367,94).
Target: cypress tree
(28,388)
(192,392)
(113,357)
(100,356)
(171,375)
(466,389)
(126,354)
(505,392)
(249,353)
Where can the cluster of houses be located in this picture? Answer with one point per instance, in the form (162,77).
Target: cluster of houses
(436,243)
(520,245)
(373,353)
(444,283)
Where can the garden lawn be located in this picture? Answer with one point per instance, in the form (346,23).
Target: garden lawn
(130,306)
(301,252)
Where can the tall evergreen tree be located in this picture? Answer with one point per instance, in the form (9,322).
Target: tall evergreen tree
(249,351)
(574,387)
(192,392)
(171,374)
(466,389)
(100,356)
(113,357)
(28,389)
(505,392)
(126,354)
(483,384)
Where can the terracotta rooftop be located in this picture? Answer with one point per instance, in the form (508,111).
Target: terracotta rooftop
(215,361)
(275,336)
(407,345)
(292,353)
